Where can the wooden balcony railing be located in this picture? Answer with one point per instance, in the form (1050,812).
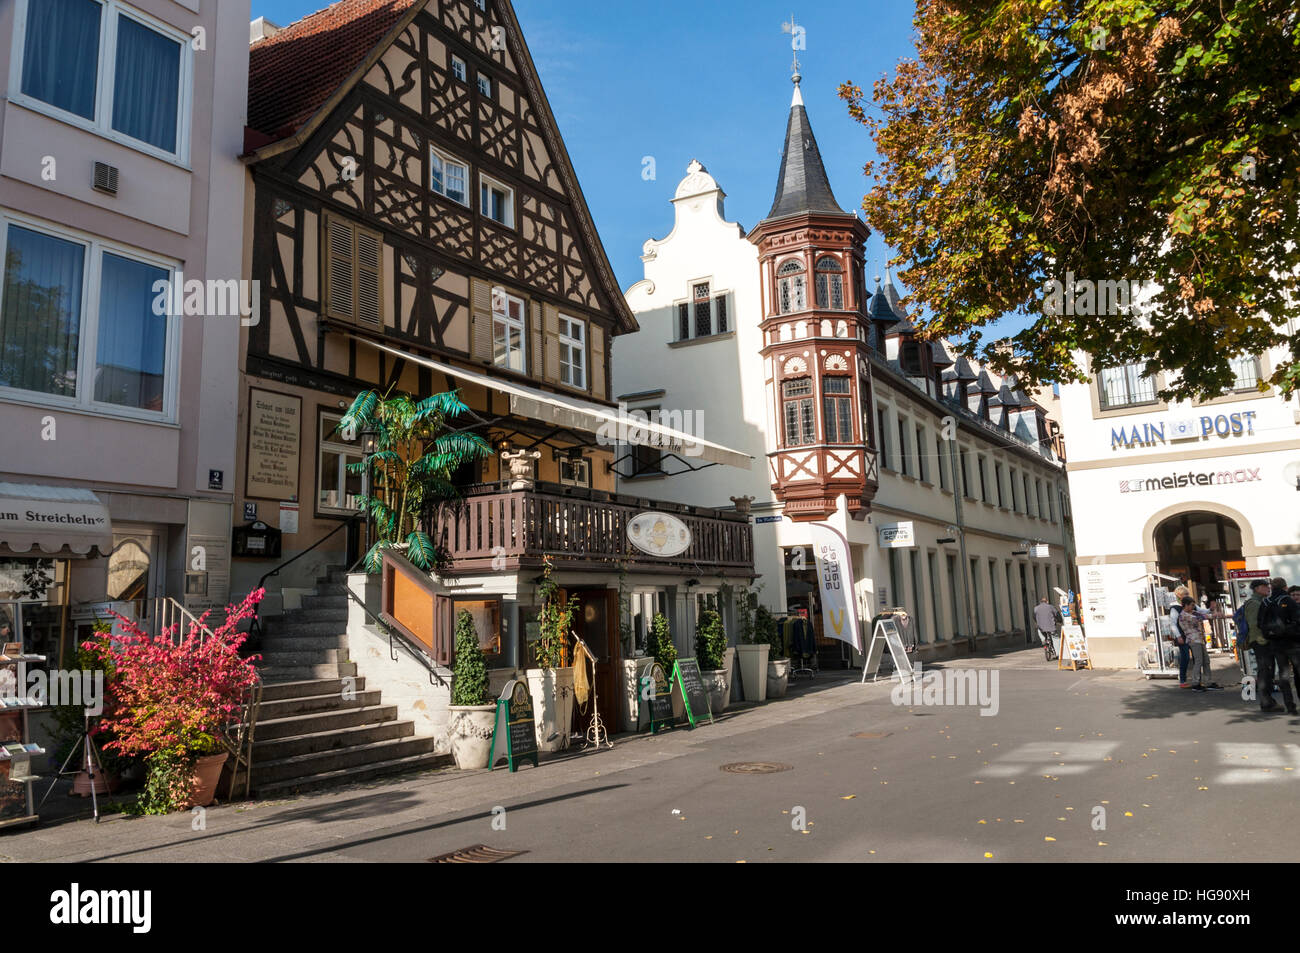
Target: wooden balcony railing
(496,529)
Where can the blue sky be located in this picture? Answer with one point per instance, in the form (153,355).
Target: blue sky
(678,80)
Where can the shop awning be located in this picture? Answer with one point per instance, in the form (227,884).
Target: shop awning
(54,520)
(579,414)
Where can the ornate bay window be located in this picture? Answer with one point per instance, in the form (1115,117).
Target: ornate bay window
(830,284)
(837,409)
(791,287)
(797,405)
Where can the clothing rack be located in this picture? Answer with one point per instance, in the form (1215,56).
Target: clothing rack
(800,640)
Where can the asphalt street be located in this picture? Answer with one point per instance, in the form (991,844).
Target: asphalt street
(1090,766)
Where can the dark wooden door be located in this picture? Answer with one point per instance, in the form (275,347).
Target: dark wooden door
(596,621)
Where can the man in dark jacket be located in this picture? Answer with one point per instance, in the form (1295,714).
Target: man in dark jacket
(1266,658)
(1048,619)
(1279,607)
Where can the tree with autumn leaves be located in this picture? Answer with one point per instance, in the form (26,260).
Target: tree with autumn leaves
(1147,141)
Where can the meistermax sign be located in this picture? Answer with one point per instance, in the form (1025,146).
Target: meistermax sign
(1162,431)
(1179,480)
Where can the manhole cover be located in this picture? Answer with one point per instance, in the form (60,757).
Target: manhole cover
(756,767)
(478,854)
(871,734)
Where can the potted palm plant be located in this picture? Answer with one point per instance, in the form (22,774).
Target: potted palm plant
(551,682)
(414,453)
(473,717)
(710,648)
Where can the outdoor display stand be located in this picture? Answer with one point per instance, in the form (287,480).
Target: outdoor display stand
(1158,657)
(656,696)
(686,672)
(17,805)
(1074,649)
(596,733)
(885,634)
(514,737)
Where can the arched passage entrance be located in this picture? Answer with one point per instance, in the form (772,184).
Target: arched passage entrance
(1201,547)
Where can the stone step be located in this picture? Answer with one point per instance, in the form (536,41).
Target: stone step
(323,762)
(316,722)
(297,673)
(294,658)
(331,600)
(419,762)
(289,625)
(306,704)
(335,576)
(288,642)
(275,749)
(319,686)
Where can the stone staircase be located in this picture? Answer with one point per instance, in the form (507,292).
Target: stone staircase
(319,725)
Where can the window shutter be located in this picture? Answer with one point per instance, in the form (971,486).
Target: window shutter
(443,644)
(480,346)
(552,344)
(597,361)
(535,355)
(370,282)
(339,300)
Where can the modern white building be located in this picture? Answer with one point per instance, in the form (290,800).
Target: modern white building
(767,341)
(1189,490)
(120,132)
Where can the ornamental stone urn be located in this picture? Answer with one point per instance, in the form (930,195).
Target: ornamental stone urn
(742,504)
(520,463)
(469,731)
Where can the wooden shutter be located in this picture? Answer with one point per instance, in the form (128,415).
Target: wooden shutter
(370,279)
(480,332)
(597,351)
(340,300)
(552,344)
(443,626)
(535,354)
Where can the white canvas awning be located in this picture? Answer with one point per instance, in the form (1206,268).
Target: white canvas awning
(580,414)
(53,520)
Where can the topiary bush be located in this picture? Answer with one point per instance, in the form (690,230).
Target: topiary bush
(469,672)
(765,630)
(659,643)
(710,640)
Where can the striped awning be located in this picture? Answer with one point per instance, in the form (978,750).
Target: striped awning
(53,520)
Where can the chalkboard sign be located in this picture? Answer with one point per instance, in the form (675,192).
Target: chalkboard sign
(657,697)
(694,697)
(515,736)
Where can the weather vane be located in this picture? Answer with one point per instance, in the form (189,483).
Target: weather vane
(797,34)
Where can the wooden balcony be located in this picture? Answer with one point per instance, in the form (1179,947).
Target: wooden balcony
(497,529)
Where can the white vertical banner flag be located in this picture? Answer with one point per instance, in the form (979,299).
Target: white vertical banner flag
(835,580)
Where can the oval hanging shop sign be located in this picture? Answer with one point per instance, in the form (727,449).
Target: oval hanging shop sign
(658,534)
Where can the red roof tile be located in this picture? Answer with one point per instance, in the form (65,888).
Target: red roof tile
(292,74)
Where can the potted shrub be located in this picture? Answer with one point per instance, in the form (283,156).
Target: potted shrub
(778,665)
(172,702)
(660,646)
(472,715)
(96,657)
(710,648)
(752,652)
(551,683)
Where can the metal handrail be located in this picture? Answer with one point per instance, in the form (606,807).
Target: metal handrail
(255,627)
(434,678)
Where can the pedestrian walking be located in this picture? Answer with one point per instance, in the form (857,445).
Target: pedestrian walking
(1048,619)
(1176,633)
(1266,658)
(1189,623)
(1279,622)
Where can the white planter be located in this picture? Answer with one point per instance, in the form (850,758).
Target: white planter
(753,670)
(715,683)
(778,677)
(552,691)
(729,667)
(469,730)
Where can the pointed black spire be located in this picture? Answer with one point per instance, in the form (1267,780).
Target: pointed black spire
(802,185)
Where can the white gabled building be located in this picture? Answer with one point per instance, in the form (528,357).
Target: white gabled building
(771,336)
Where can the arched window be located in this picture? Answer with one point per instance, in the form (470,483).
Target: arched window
(797,409)
(830,284)
(792,288)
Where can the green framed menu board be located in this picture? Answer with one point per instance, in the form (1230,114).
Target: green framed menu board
(687,674)
(515,736)
(657,698)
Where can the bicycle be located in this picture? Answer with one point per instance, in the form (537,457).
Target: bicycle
(1049,650)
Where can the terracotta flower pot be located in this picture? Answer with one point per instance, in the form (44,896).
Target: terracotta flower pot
(207,772)
(104,783)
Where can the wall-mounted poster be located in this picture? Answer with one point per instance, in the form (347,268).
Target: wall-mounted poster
(274,437)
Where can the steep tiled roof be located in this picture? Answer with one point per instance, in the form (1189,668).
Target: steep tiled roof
(292,74)
(802,185)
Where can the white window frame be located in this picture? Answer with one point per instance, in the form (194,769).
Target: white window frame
(102,123)
(479,80)
(336,444)
(486,181)
(580,467)
(446,158)
(577,345)
(501,296)
(88,336)
(463,74)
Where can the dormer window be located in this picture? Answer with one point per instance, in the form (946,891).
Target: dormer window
(792,289)
(830,284)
